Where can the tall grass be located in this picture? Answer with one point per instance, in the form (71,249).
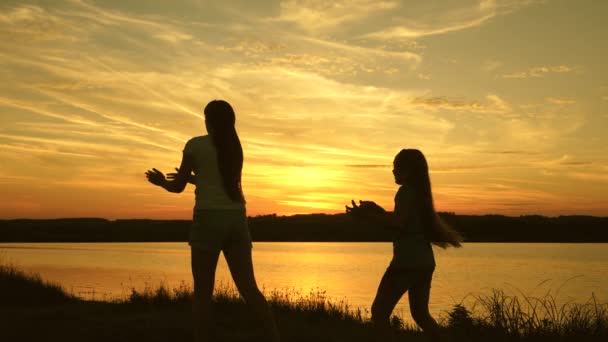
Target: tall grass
(495,317)
(313,303)
(160,295)
(316,302)
(18,288)
(521,317)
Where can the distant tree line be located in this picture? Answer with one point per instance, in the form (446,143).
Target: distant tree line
(311,227)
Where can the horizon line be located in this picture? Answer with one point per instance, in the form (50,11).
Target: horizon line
(287,215)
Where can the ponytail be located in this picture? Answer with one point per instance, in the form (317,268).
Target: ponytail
(436,230)
(220,119)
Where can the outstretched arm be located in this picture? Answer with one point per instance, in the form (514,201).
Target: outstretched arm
(173,175)
(178,183)
(373,213)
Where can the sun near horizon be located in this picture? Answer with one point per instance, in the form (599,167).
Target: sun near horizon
(507,99)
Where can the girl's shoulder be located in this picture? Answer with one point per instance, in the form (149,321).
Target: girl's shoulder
(199,139)
(404,195)
(197,142)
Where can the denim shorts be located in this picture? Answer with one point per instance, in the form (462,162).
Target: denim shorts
(216,230)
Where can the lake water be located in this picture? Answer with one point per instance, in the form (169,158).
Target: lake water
(344,271)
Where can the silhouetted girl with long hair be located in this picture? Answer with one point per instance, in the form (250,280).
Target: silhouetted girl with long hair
(416,226)
(220,220)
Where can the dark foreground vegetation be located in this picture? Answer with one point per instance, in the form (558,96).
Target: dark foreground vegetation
(311,227)
(34,310)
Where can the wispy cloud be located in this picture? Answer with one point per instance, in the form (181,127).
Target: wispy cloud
(158,27)
(413,31)
(424,76)
(560,101)
(493,104)
(68,143)
(590,176)
(512,197)
(511,152)
(432,21)
(491,65)
(540,71)
(412,58)
(368,166)
(31,23)
(316,15)
(252,47)
(174,37)
(45,151)
(326,93)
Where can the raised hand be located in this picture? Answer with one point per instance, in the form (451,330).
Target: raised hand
(173,175)
(155,177)
(354,210)
(365,209)
(371,207)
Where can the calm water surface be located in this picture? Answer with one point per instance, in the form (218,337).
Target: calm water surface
(345,271)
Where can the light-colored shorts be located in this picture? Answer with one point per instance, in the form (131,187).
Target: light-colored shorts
(218,229)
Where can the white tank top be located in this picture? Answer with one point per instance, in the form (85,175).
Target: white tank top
(209,192)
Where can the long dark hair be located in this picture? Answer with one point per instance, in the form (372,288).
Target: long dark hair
(220,119)
(416,170)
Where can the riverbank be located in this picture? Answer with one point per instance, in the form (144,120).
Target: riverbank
(32,309)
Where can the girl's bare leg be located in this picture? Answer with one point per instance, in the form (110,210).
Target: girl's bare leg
(238,257)
(389,292)
(419,306)
(204,263)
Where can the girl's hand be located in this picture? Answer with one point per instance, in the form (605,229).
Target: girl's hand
(155,177)
(173,175)
(365,209)
(354,210)
(370,207)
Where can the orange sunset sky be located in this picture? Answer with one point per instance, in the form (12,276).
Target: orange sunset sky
(508,99)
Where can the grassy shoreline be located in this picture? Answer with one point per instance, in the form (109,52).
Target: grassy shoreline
(32,309)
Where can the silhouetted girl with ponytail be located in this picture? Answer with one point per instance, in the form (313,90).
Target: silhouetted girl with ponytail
(416,226)
(220,220)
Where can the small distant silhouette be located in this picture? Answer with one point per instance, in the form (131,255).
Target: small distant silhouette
(416,226)
(214,163)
